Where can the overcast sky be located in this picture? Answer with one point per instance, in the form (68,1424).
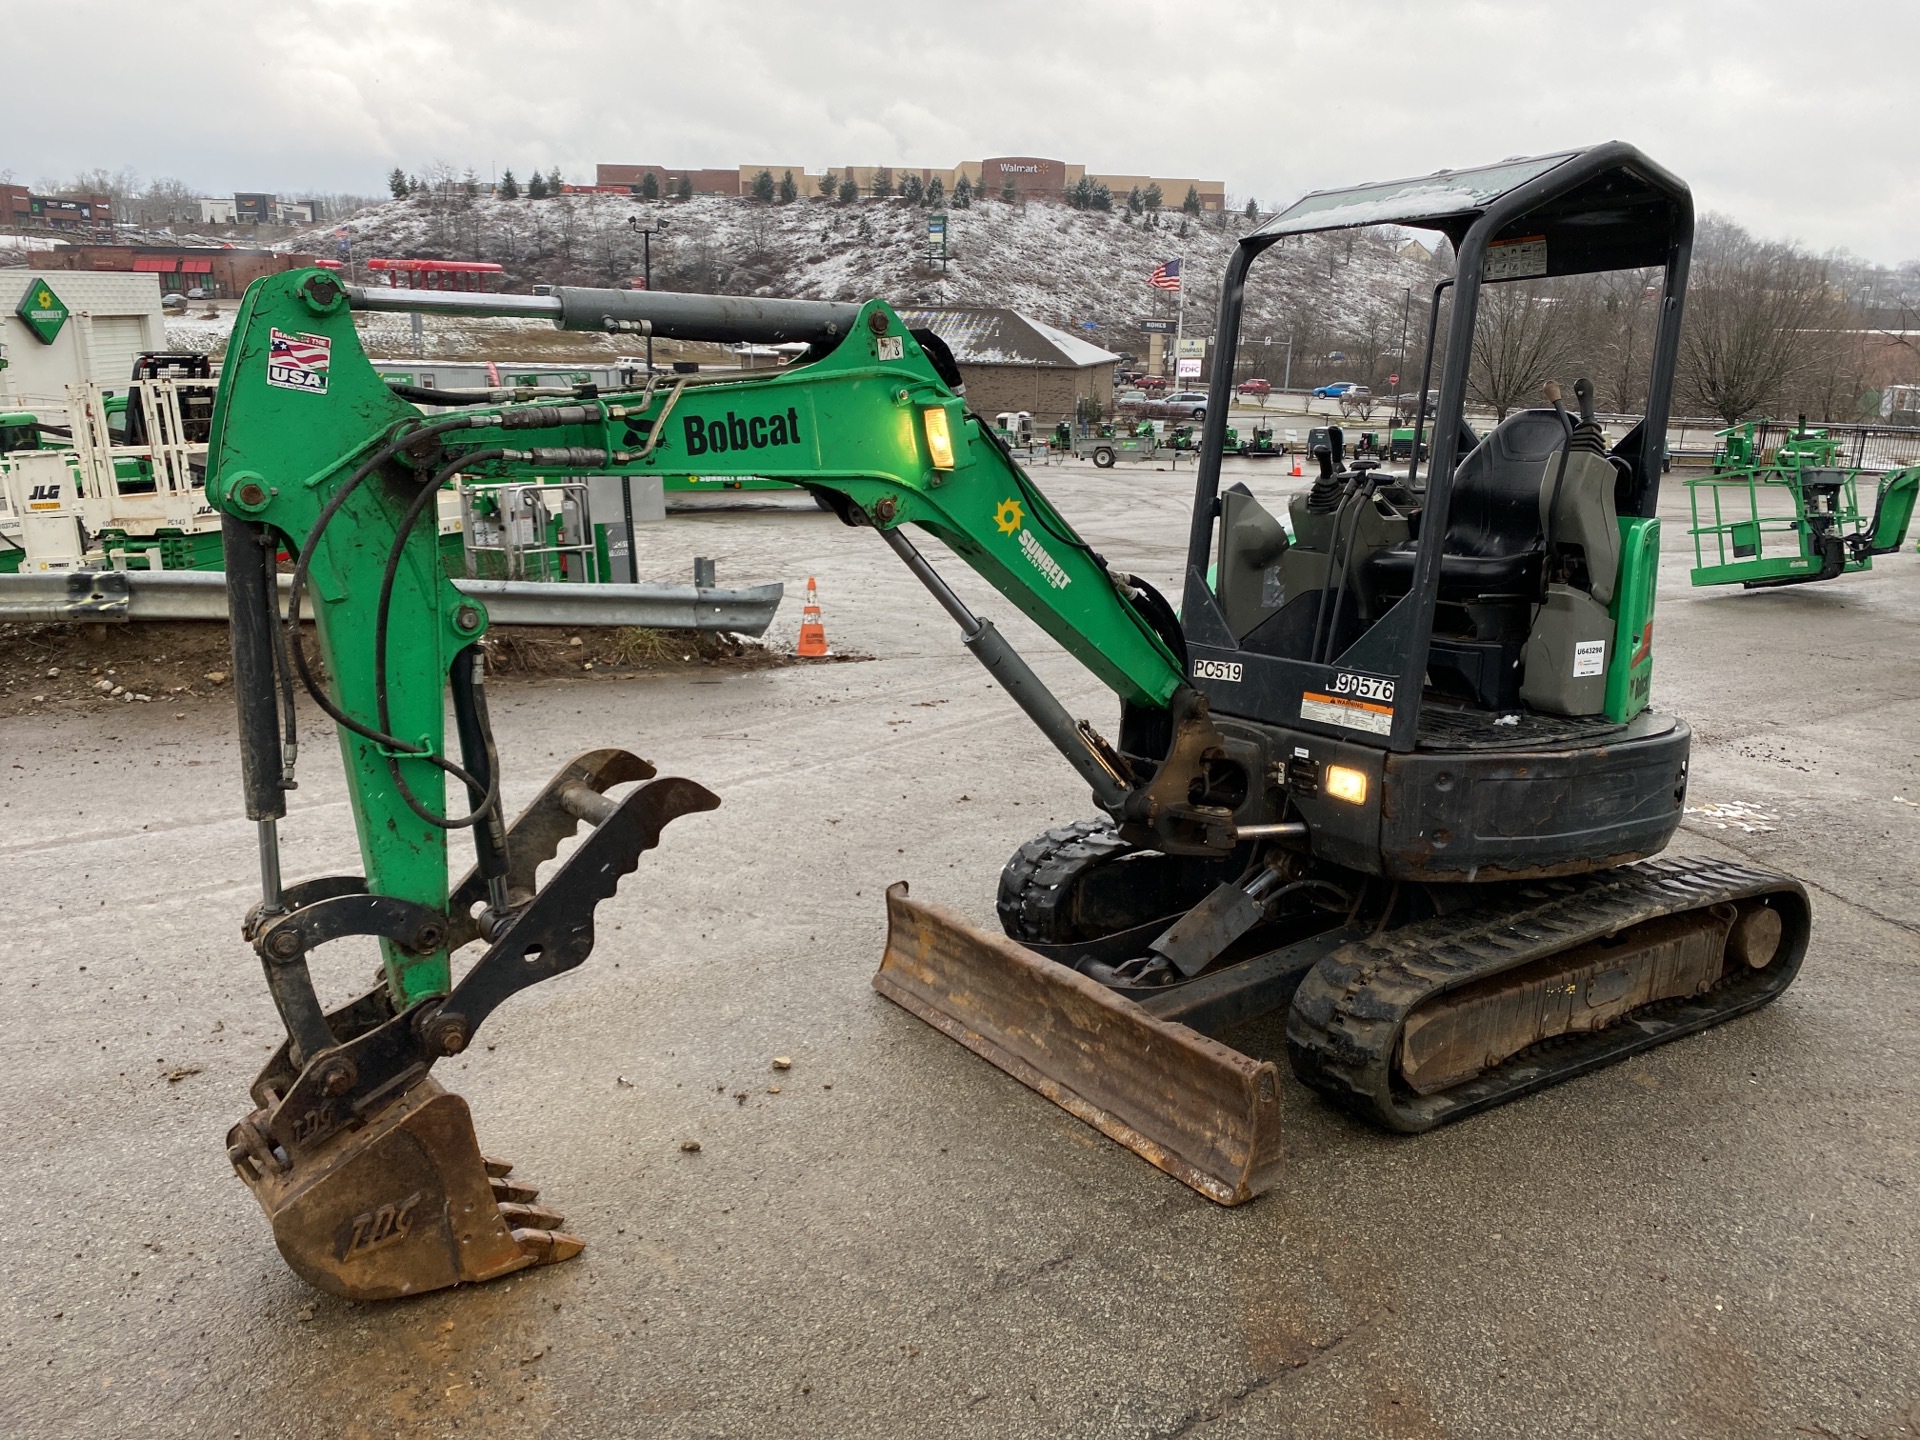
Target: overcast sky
(1797,120)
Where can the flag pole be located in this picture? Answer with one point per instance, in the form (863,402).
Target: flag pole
(1179,320)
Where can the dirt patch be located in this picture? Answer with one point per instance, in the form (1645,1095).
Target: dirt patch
(44,667)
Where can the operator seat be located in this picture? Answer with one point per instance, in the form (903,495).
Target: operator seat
(1494,544)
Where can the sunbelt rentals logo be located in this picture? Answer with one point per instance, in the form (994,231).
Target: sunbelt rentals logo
(1011,520)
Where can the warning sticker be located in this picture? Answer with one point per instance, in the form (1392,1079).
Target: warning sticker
(1343,710)
(298,362)
(1589,658)
(1516,259)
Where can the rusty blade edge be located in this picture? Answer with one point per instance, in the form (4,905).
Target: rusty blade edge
(1257,1125)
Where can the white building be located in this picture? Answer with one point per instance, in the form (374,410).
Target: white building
(112,317)
(217,210)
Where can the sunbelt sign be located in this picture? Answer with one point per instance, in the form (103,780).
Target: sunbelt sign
(42,311)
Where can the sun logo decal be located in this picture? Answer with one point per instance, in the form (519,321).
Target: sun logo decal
(1008,516)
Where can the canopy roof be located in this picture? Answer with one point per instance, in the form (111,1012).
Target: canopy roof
(1604,207)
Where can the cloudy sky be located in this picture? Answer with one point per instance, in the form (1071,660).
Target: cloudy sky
(1796,119)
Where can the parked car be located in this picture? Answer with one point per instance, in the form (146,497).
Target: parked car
(1180,405)
(1130,397)
(1335,389)
(1356,402)
(1262,388)
(1153,382)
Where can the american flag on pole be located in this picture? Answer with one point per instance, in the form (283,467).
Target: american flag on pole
(1166,275)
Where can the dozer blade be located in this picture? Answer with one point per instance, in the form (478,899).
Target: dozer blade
(399,1206)
(1202,1112)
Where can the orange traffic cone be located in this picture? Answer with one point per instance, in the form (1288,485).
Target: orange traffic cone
(813,635)
(1296,467)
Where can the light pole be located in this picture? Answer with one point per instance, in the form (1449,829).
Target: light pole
(1400,368)
(646,234)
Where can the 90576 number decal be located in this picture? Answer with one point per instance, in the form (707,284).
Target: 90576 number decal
(1363,687)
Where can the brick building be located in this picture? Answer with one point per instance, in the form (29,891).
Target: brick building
(218,271)
(1011,361)
(705,182)
(23,210)
(1031,177)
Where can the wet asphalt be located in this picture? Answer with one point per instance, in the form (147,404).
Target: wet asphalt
(1715,1239)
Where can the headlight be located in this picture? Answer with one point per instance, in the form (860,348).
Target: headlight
(1346,783)
(939,437)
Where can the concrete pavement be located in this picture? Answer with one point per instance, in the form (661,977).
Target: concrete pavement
(1716,1239)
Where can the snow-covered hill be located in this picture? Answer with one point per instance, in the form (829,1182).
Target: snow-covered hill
(1341,293)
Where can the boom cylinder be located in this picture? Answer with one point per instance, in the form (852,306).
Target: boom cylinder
(735,318)
(1016,677)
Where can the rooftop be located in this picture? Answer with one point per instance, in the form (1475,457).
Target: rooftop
(993,336)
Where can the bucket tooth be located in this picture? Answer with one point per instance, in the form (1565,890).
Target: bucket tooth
(1199,1110)
(399,1205)
(548,1247)
(495,1166)
(512,1192)
(531,1217)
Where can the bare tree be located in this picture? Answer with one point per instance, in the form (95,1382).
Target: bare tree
(1519,343)
(167,201)
(1757,312)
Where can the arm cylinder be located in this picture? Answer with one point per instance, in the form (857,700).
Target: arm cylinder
(253,610)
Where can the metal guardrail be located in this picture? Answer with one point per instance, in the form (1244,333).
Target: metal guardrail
(121,596)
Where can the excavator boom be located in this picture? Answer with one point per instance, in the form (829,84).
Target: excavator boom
(369,1172)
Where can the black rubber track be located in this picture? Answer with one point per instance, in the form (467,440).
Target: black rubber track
(1343,1031)
(1036,885)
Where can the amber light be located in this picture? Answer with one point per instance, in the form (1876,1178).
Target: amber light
(939,437)
(1345,783)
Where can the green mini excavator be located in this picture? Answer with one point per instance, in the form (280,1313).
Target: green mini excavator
(1388,777)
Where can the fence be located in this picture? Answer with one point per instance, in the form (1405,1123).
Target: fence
(1862,447)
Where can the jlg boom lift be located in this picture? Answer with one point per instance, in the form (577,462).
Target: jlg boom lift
(1389,774)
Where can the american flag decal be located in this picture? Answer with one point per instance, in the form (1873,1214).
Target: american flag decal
(1166,275)
(298,362)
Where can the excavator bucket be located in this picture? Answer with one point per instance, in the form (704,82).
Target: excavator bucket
(1199,1110)
(401,1205)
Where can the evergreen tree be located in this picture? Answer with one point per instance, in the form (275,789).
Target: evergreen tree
(936,191)
(1253,209)
(882,183)
(962,192)
(910,188)
(1192,203)
(508,188)
(554,183)
(1152,199)
(829,185)
(762,187)
(1099,197)
(1136,202)
(397,183)
(685,192)
(849,191)
(789,192)
(1007,192)
(649,186)
(536,186)
(1080,193)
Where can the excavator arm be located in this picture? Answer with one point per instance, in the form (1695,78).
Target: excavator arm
(368,1171)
